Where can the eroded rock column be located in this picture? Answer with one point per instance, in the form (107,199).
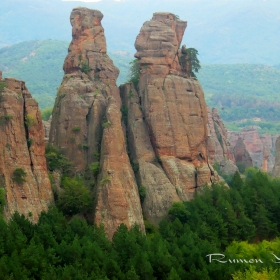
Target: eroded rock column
(23,169)
(86,123)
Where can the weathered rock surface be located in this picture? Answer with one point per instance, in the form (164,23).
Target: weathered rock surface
(117,196)
(86,122)
(241,153)
(89,80)
(218,145)
(160,193)
(167,119)
(22,147)
(276,168)
(260,147)
(46,128)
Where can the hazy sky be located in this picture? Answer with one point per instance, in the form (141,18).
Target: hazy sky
(222,30)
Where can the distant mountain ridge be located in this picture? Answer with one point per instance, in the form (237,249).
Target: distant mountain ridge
(239,91)
(223,31)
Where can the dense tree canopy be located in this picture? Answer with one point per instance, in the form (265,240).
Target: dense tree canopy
(220,219)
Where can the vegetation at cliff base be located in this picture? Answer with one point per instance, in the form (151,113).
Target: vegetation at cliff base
(240,222)
(2,199)
(56,160)
(74,197)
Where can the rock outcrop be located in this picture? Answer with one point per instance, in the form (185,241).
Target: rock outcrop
(46,128)
(260,147)
(241,154)
(218,145)
(276,168)
(86,123)
(23,170)
(167,119)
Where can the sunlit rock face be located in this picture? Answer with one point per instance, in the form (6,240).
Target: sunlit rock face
(86,123)
(219,148)
(167,119)
(28,190)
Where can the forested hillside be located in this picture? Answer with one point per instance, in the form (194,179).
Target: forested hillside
(39,64)
(65,246)
(241,92)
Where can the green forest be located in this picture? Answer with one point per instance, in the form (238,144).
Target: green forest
(240,221)
(240,92)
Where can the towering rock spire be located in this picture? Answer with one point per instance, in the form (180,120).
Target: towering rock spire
(167,119)
(23,170)
(86,123)
(88,83)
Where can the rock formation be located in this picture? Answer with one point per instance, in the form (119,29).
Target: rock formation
(46,128)
(167,119)
(161,124)
(241,154)
(218,145)
(260,147)
(86,122)
(23,170)
(276,168)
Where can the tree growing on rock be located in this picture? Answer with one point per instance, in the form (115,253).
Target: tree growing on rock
(189,61)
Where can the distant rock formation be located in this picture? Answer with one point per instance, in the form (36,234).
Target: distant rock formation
(260,147)
(218,145)
(23,170)
(86,123)
(276,168)
(46,128)
(241,154)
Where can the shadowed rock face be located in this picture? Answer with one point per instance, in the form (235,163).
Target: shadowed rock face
(86,122)
(218,145)
(22,146)
(167,118)
(276,168)
(241,153)
(46,128)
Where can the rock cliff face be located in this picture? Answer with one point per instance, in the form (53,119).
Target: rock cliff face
(86,122)
(276,168)
(23,170)
(167,119)
(260,147)
(218,145)
(46,128)
(241,153)
(161,124)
